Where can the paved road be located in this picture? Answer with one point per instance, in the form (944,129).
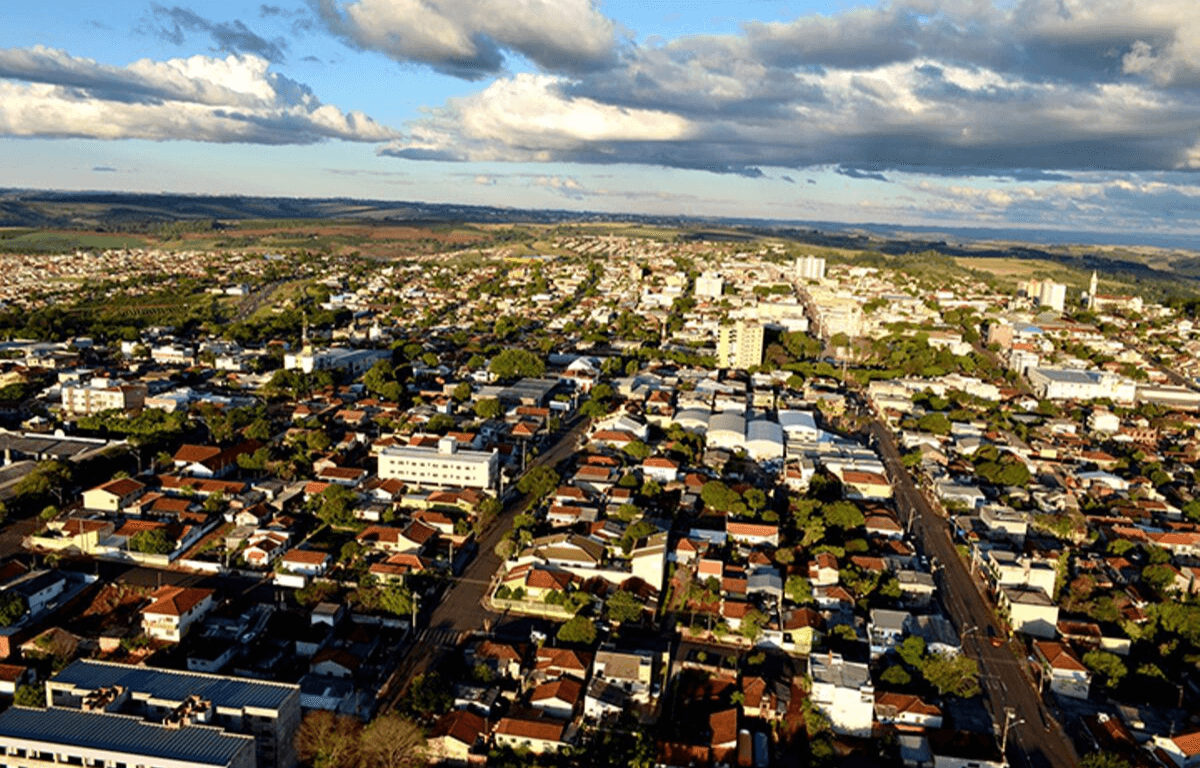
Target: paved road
(1035,738)
(460,608)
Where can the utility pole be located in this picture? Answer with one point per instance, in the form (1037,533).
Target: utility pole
(1009,717)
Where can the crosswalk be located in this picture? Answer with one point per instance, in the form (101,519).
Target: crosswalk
(439,638)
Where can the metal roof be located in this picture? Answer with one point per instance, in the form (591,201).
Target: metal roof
(120,733)
(171,685)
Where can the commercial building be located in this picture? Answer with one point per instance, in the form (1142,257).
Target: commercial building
(740,345)
(102,394)
(353,361)
(446,466)
(1068,384)
(1049,294)
(55,737)
(268,711)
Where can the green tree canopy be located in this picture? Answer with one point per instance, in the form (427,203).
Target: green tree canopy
(579,629)
(152,541)
(516,363)
(621,607)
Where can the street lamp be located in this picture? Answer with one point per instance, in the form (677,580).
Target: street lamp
(1009,715)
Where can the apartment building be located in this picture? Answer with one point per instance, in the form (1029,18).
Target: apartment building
(740,345)
(102,394)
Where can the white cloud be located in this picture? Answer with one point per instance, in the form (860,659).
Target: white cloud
(468,38)
(232,99)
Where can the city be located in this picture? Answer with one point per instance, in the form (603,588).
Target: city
(591,498)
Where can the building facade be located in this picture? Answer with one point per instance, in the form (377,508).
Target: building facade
(446,466)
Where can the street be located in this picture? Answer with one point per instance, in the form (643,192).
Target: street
(1035,738)
(460,609)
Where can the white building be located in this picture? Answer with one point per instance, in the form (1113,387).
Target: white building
(354,361)
(446,466)
(1049,294)
(810,268)
(842,691)
(1030,611)
(102,394)
(1067,384)
(710,285)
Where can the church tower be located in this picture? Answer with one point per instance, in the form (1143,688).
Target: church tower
(1091,304)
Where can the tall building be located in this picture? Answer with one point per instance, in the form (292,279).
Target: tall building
(446,466)
(1047,293)
(1093,286)
(810,268)
(710,285)
(187,701)
(740,345)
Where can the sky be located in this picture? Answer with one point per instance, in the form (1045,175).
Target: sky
(1037,114)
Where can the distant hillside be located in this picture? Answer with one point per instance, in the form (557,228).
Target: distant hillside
(1155,263)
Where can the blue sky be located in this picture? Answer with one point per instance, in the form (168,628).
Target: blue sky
(1072,114)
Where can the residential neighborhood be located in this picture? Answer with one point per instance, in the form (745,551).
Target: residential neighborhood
(621,501)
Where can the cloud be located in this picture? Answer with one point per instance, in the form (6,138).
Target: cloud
(1036,91)
(49,93)
(228,36)
(104,169)
(469,38)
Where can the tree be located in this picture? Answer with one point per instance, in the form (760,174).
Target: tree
(488,408)
(515,363)
(539,482)
(392,741)
(798,589)
(326,740)
(1107,664)
(718,496)
(578,630)
(912,651)
(152,541)
(428,695)
(12,607)
(1104,760)
(396,599)
(752,624)
(30,696)
(937,423)
(953,674)
(638,450)
(462,392)
(48,478)
(336,503)
(896,675)
(842,514)
(505,548)
(621,607)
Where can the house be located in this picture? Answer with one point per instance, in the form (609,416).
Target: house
(766,699)
(174,610)
(12,677)
(1183,750)
(538,734)
(753,534)
(906,709)
(307,562)
(335,662)
(866,485)
(504,659)
(455,736)
(1068,675)
(885,630)
(114,495)
(558,698)
(398,566)
(537,581)
(823,570)
(660,469)
(723,735)
(842,691)
(264,548)
(556,662)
